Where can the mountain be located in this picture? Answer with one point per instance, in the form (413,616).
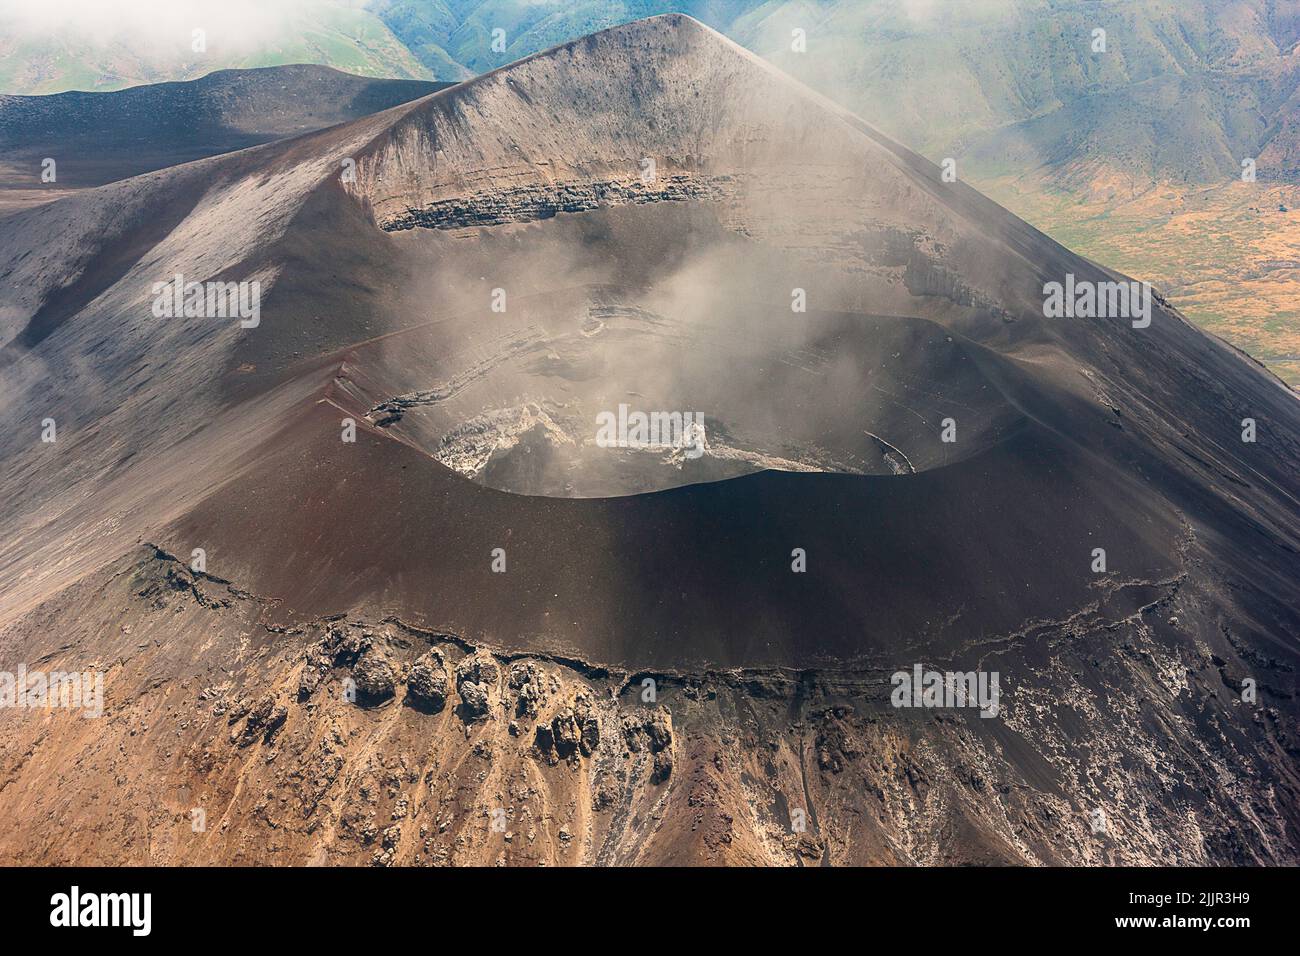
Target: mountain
(1132,156)
(367,585)
(1171,91)
(96,138)
(1131,153)
(109,46)
(1179,91)
(455,38)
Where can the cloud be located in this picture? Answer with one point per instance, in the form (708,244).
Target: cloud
(161,27)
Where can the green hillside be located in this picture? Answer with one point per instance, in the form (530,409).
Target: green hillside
(348,38)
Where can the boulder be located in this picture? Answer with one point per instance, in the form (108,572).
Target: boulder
(376,681)
(427,685)
(476,678)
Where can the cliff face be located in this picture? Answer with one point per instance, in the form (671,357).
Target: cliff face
(428,597)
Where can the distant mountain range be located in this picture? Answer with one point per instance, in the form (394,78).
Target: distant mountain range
(240,107)
(1182,91)
(97,138)
(52,54)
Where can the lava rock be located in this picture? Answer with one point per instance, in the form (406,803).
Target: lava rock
(590,738)
(263,719)
(476,676)
(427,686)
(564,728)
(525,682)
(663,767)
(375,679)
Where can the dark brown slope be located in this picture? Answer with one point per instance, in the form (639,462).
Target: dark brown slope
(1073,434)
(925,302)
(696,576)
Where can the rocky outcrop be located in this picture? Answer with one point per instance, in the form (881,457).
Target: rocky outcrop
(530,203)
(263,720)
(476,681)
(652,734)
(426,684)
(340,647)
(375,678)
(528,685)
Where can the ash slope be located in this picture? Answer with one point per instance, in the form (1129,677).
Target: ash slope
(924,303)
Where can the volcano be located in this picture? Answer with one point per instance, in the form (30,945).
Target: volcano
(380,535)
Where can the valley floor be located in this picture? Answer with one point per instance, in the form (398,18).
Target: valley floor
(1228,257)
